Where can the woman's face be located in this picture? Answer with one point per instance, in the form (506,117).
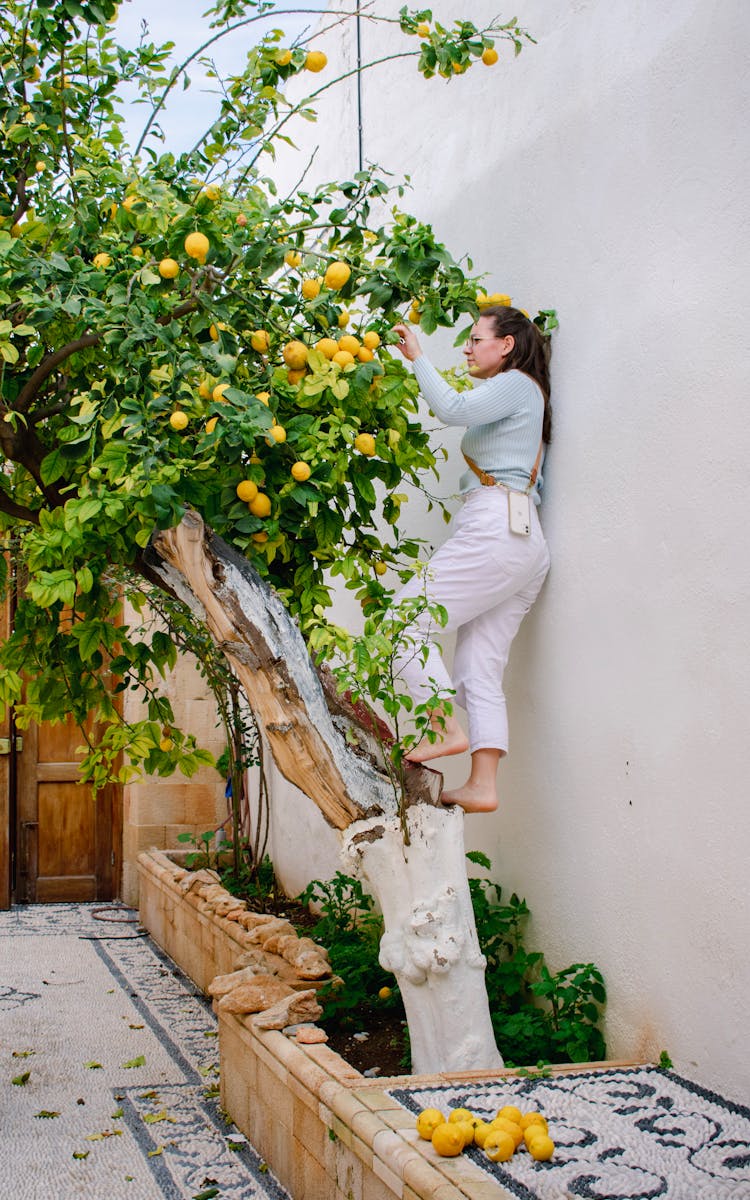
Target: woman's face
(485,351)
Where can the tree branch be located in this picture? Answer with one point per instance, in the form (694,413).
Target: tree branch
(17,511)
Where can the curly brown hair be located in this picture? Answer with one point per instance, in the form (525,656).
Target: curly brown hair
(530,353)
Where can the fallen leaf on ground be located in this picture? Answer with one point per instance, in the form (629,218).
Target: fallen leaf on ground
(22,1080)
(140,1061)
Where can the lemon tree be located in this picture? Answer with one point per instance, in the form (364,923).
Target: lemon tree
(173,337)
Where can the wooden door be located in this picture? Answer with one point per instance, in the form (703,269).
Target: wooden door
(67,837)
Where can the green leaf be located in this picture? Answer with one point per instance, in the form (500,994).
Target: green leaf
(140,1061)
(22,1080)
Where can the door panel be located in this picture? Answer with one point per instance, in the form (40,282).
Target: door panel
(66,833)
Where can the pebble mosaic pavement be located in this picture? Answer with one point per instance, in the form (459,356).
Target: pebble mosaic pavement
(637,1133)
(84,993)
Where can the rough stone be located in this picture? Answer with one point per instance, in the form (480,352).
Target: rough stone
(308,1035)
(223,984)
(290,1010)
(261,933)
(196,879)
(255,995)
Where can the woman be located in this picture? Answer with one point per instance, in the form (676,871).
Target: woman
(490,570)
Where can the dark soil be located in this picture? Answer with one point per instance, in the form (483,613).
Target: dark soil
(384,1051)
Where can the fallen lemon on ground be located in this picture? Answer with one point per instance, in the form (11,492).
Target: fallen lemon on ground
(448,1139)
(541,1148)
(498,1145)
(428,1121)
(460,1114)
(511,1113)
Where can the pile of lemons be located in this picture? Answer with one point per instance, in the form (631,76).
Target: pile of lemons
(499,1138)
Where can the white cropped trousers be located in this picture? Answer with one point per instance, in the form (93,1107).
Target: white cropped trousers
(487,578)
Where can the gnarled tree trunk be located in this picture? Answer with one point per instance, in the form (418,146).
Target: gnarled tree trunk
(320,745)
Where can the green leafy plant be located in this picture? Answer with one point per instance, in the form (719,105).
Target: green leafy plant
(537,1016)
(350,929)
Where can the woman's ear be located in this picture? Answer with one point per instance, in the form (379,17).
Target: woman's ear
(507,344)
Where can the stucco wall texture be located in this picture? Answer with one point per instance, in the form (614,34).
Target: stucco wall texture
(604,173)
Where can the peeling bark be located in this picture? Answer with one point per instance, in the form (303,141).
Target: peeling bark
(326,748)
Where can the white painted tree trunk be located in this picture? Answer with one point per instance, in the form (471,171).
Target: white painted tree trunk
(321,744)
(430,941)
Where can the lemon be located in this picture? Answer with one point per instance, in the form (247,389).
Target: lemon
(301,472)
(101,261)
(212,191)
(217,394)
(241,220)
(197,246)
(283,57)
(260,506)
(311,288)
(414,316)
(511,1113)
(482,300)
(295,376)
(327,346)
(130,200)
(264,397)
(343,319)
(168,268)
(499,1145)
(260,537)
(211,424)
(533,1118)
(315,61)
(533,1131)
(423,29)
(460,1114)
(365,443)
(343,358)
(350,343)
(295,355)
(136,251)
(509,1127)
(277,433)
(246,490)
(499,300)
(365,355)
(213,333)
(178,420)
(293,258)
(541,1148)
(260,341)
(448,1139)
(428,1121)
(381,568)
(204,390)
(166,744)
(337,274)
(490,56)
(481,1131)
(371,340)
(385,994)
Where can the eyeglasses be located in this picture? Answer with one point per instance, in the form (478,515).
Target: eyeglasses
(472,340)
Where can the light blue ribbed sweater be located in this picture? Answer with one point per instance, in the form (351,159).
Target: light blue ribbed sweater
(503,416)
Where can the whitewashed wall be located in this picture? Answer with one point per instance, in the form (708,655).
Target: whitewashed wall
(604,173)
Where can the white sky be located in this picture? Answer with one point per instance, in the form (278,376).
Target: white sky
(182,22)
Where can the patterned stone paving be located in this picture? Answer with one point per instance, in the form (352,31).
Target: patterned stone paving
(121,1047)
(623,1134)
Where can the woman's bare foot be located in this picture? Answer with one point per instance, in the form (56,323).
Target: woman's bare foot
(479,793)
(450,739)
(472,797)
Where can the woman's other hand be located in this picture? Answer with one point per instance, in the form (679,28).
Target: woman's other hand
(408,342)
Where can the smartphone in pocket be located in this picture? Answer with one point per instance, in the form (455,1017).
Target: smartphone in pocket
(519,513)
